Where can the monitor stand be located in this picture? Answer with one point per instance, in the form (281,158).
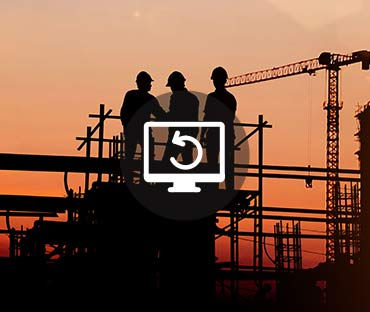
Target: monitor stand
(184,186)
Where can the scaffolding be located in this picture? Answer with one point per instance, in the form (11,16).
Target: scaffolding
(348,199)
(288,247)
(246,208)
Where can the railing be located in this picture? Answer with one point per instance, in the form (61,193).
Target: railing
(116,150)
(116,143)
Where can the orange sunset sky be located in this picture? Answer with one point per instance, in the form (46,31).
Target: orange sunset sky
(61,59)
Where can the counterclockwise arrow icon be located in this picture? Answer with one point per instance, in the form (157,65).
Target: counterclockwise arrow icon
(180,140)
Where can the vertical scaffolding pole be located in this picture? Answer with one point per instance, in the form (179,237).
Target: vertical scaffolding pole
(356,226)
(232,253)
(88,154)
(288,247)
(258,220)
(349,215)
(260,188)
(121,153)
(101,137)
(236,237)
(299,246)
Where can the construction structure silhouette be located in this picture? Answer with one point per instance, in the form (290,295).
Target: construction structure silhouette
(332,63)
(112,249)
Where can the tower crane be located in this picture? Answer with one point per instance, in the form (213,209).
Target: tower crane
(332,63)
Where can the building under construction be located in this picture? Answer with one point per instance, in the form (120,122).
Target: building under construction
(113,250)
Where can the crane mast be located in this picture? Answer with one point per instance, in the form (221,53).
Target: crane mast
(332,63)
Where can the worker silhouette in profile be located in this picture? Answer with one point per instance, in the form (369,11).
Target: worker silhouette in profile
(220,106)
(184,106)
(137,108)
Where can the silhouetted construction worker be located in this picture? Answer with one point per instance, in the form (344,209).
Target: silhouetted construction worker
(220,106)
(184,106)
(138,105)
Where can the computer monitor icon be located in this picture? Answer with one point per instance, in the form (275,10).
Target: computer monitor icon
(184,178)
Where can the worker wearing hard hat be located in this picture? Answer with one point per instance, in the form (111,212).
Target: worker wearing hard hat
(220,106)
(138,105)
(184,106)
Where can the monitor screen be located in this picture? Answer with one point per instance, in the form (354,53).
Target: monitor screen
(173,149)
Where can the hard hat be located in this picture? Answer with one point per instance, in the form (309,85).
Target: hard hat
(143,76)
(175,77)
(219,73)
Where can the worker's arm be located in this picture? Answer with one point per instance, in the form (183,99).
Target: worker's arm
(124,107)
(158,111)
(170,114)
(234,106)
(205,118)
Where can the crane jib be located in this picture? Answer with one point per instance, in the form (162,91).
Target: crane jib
(332,63)
(326,60)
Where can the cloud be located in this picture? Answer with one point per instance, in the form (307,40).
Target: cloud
(313,14)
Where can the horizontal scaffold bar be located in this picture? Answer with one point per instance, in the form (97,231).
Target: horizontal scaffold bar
(295,218)
(51,163)
(41,204)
